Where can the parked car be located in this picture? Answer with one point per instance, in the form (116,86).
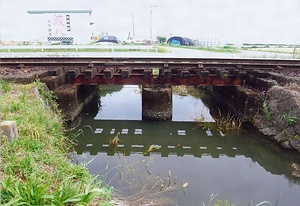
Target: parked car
(134,41)
(111,39)
(181,41)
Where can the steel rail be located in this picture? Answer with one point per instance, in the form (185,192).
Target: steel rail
(97,61)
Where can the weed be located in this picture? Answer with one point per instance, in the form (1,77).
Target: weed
(48,95)
(35,169)
(296,170)
(212,197)
(115,141)
(223,203)
(152,148)
(292,121)
(265,105)
(155,71)
(140,185)
(4,86)
(266,110)
(223,123)
(228,122)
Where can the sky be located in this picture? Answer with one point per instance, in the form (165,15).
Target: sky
(225,21)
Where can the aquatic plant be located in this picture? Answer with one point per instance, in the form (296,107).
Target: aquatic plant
(228,122)
(115,141)
(223,123)
(296,170)
(152,148)
(226,202)
(138,184)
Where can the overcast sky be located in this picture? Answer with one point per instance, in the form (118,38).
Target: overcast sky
(228,21)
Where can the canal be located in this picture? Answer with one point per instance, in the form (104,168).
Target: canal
(180,162)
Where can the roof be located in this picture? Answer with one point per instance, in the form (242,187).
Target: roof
(59,11)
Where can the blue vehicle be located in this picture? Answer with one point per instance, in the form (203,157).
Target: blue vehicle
(180,41)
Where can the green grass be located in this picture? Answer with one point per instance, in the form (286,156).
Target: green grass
(35,169)
(4,86)
(159,50)
(162,50)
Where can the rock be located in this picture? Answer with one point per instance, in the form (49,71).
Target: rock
(286,145)
(275,92)
(259,121)
(9,129)
(295,143)
(273,105)
(289,132)
(280,137)
(269,131)
(287,105)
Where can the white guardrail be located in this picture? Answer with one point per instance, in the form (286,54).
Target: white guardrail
(42,48)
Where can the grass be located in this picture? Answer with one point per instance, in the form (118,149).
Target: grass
(158,49)
(4,86)
(224,49)
(35,168)
(223,123)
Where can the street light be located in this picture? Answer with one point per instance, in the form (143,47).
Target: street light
(151,21)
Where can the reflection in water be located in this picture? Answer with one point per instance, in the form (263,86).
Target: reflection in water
(126,104)
(186,163)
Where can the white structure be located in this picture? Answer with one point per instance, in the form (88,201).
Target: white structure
(66,26)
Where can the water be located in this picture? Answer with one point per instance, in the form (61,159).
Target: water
(189,163)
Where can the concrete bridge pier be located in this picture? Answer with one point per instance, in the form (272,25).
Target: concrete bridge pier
(157,102)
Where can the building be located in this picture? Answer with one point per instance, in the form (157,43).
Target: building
(65,26)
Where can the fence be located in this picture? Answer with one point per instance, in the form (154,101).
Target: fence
(77,48)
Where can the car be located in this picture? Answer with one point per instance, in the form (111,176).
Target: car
(134,41)
(129,41)
(181,41)
(111,39)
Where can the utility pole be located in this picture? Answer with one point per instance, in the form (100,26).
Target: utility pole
(133,32)
(151,21)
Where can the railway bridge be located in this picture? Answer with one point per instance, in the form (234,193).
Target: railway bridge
(156,75)
(153,71)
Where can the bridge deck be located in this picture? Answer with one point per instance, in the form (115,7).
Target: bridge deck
(155,71)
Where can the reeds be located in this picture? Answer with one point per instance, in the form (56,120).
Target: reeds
(223,123)
(115,141)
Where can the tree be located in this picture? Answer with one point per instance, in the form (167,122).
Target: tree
(161,39)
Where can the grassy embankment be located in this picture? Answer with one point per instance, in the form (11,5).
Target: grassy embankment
(35,168)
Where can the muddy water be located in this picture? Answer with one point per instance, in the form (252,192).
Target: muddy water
(179,162)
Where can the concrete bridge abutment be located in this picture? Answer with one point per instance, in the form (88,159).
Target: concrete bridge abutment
(157,102)
(73,99)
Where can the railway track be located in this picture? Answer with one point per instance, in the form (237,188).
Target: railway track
(189,71)
(54,61)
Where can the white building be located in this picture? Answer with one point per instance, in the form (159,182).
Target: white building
(65,26)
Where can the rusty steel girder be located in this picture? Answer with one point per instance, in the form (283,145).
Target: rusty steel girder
(165,76)
(161,71)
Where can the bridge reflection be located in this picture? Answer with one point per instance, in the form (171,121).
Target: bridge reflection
(168,138)
(180,139)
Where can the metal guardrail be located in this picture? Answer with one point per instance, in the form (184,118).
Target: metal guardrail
(113,48)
